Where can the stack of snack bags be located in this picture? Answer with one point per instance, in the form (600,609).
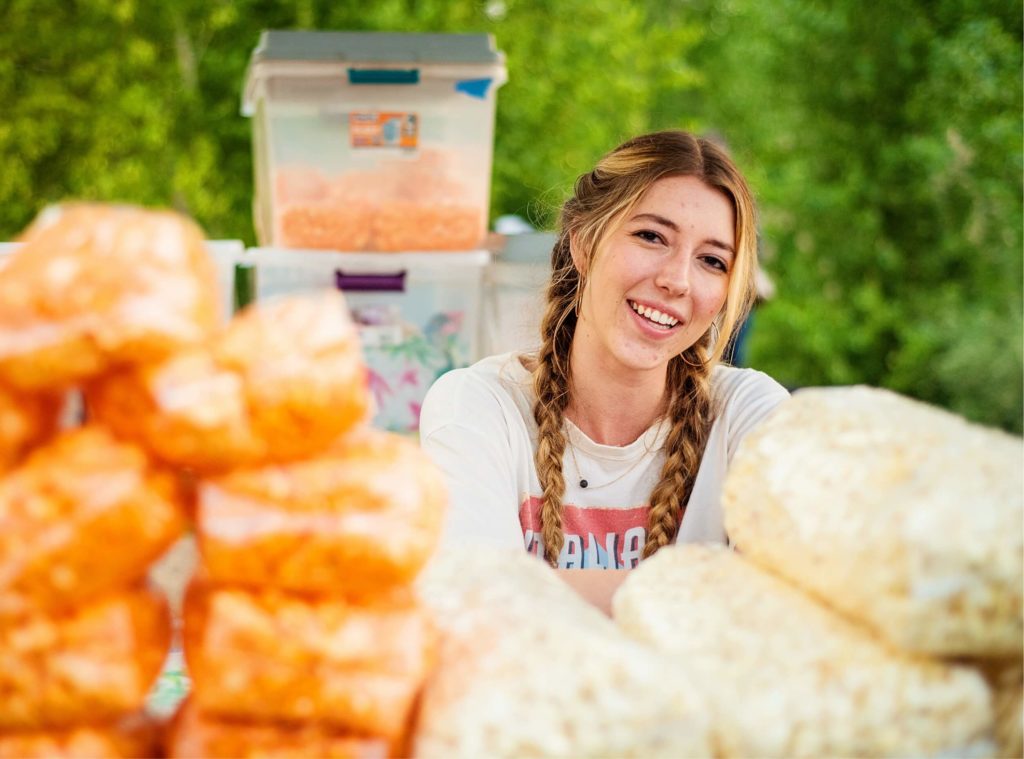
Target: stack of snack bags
(83,514)
(873,606)
(302,635)
(301,632)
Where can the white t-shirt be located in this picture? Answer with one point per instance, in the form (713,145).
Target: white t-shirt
(477,425)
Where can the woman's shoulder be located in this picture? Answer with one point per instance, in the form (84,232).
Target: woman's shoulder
(744,398)
(502,374)
(734,386)
(496,384)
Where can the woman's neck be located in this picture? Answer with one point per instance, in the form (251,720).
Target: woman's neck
(610,403)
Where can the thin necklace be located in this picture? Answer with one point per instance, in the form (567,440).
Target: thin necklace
(585,484)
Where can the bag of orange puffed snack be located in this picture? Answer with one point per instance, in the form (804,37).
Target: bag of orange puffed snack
(364,516)
(194,735)
(26,420)
(279,657)
(80,517)
(87,666)
(99,286)
(134,737)
(283,381)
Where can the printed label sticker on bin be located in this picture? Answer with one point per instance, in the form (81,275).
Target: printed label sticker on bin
(378,130)
(418,315)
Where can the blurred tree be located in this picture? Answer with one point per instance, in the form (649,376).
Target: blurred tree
(885,143)
(124,100)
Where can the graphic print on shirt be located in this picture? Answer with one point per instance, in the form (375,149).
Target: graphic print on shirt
(595,537)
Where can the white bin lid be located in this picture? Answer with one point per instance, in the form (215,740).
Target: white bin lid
(421,260)
(310,53)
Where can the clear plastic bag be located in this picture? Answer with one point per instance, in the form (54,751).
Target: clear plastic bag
(98,286)
(90,665)
(365,516)
(783,675)
(898,514)
(26,420)
(134,737)
(282,382)
(80,517)
(280,657)
(194,735)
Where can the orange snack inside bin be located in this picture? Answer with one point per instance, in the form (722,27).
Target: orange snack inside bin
(426,225)
(283,381)
(99,286)
(364,516)
(399,206)
(326,224)
(279,657)
(81,516)
(91,665)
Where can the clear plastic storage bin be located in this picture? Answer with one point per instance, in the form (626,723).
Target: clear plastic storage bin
(515,293)
(418,314)
(372,141)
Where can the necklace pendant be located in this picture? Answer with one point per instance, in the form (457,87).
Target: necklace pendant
(583,483)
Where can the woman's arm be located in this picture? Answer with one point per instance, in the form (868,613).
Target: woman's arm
(463,431)
(595,585)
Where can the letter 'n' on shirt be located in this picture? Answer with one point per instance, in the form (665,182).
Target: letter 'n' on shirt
(595,538)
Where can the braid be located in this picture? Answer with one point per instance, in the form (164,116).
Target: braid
(550,449)
(551,387)
(690,411)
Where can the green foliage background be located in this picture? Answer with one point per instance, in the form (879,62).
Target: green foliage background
(884,141)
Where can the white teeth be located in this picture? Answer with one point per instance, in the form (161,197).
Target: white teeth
(654,315)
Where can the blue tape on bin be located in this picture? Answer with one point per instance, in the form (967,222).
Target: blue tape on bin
(476,88)
(384,76)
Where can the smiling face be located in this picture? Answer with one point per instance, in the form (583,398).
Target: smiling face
(660,278)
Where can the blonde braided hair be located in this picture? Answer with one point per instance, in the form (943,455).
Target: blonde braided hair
(602,199)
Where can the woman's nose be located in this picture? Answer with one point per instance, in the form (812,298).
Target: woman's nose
(674,276)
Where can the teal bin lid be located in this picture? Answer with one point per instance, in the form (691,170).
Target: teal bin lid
(372,49)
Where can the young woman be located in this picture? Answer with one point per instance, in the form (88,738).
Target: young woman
(614,438)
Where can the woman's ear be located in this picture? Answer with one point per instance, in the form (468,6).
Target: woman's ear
(578,259)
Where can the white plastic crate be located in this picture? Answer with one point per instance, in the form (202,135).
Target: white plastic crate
(418,314)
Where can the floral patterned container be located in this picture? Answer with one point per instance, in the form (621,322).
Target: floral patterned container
(418,314)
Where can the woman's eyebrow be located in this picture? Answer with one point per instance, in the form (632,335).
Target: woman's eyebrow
(675,228)
(660,219)
(719,244)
